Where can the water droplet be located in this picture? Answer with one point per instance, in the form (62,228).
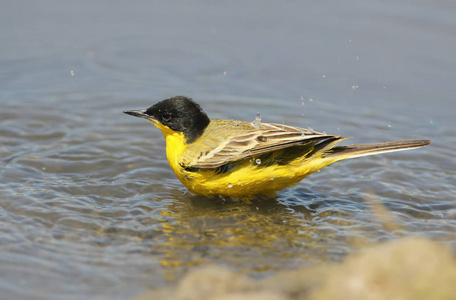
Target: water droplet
(354,87)
(324,76)
(258,161)
(390,124)
(257,121)
(230,185)
(90,53)
(311,99)
(303,102)
(72,72)
(357,57)
(224,72)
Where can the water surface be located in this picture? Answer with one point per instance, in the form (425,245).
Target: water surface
(88,205)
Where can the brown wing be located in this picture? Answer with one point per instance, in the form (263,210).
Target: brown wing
(226,141)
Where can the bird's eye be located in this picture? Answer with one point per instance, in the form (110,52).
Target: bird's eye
(166,117)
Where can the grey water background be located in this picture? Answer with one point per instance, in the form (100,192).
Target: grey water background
(88,205)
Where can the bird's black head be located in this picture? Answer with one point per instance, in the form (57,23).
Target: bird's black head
(179,113)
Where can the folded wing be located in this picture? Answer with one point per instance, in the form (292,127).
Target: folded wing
(225,141)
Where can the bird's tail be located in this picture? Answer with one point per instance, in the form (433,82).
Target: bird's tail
(344,152)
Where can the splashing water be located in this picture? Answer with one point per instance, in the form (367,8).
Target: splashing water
(257,121)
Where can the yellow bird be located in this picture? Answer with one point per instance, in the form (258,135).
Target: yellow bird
(215,157)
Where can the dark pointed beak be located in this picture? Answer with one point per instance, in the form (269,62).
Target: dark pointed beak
(138,113)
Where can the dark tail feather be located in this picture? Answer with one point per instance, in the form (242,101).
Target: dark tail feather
(352,151)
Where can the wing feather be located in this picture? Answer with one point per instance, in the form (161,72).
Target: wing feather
(225,141)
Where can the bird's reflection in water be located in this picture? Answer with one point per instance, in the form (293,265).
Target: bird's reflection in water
(268,234)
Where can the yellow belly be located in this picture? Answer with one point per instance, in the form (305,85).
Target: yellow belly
(246,180)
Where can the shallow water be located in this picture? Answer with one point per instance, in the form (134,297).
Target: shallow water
(88,205)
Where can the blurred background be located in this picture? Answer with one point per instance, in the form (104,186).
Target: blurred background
(88,205)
